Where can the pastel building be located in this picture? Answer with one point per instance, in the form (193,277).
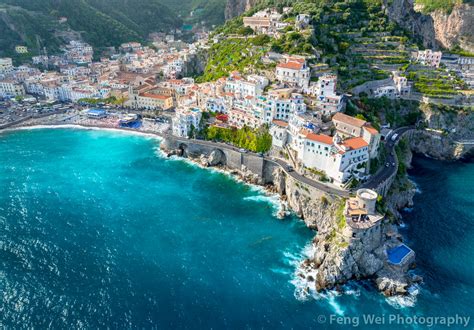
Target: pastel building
(280,104)
(327,101)
(428,57)
(11,88)
(252,86)
(185,120)
(6,65)
(294,72)
(348,127)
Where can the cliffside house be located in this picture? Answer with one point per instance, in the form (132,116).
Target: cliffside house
(294,72)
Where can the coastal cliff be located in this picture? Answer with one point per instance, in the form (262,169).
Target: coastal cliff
(448,133)
(236,8)
(455,28)
(404,14)
(437,28)
(339,255)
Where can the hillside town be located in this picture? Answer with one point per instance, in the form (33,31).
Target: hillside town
(304,115)
(304,126)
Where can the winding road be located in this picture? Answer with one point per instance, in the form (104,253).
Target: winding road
(387,171)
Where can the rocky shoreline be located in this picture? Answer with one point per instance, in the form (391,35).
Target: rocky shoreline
(337,258)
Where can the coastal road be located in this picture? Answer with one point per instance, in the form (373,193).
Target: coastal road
(379,177)
(386,171)
(313,183)
(284,165)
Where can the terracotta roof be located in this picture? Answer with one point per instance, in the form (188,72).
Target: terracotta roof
(292,65)
(155,96)
(371,130)
(355,143)
(321,138)
(280,123)
(349,120)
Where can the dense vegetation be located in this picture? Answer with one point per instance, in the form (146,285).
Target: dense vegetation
(435,82)
(257,140)
(101,22)
(354,37)
(396,112)
(234,54)
(30,27)
(443,5)
(209,11)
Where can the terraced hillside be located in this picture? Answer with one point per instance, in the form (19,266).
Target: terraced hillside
(355,38)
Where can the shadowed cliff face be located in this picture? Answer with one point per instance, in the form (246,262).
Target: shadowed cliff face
(235,8)
(438,28)
(455,28)
(403,13)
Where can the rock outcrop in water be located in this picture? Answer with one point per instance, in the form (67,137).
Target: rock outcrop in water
(338,257)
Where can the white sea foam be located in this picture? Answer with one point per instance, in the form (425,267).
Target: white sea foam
(89,128)
(304,282)
(401,302)
(264,196)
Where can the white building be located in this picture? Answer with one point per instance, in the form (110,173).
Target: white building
(11,88)
(327,101)
(252,86)
(185,120)
(279,133)
(6,65)
(428,57)
(294,72)
(339,160)
(280,104)
(302,21)
(398,88)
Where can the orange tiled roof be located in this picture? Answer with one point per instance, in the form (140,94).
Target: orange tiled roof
(355,143)
(371,130)
(349,120)
(155,96)
(280,123)
(321,138)
(292,65)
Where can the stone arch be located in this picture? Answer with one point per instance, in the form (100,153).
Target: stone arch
(182,150)
(217,157)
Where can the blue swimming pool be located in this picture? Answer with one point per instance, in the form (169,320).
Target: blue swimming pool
(397,254)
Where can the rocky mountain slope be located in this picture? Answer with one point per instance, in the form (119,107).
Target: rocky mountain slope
(435,26)
(235,8)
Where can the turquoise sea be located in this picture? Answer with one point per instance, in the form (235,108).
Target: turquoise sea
(98,229)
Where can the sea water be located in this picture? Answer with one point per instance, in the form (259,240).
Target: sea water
(99,229)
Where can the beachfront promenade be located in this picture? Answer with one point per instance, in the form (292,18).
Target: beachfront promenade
(379,181)
(161,132)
